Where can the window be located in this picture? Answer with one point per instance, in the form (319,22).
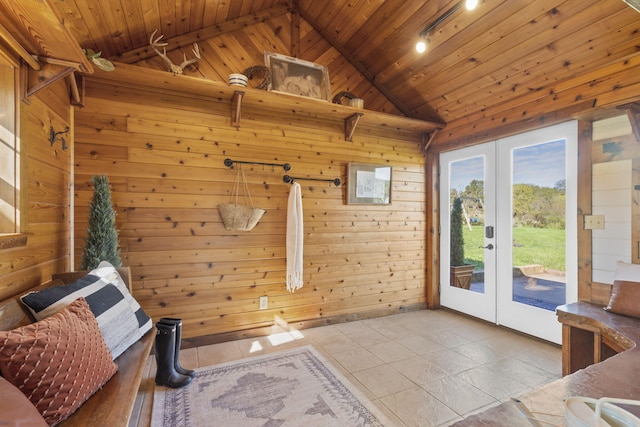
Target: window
(9,157)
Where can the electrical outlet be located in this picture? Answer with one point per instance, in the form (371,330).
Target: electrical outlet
(264,302)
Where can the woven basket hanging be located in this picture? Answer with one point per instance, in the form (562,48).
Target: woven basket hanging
(240,217)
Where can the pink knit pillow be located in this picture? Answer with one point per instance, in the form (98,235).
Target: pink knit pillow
(59,362)
(625,298)
(16,409)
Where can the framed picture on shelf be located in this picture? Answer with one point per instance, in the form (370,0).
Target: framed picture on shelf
(297,77)
(368,184)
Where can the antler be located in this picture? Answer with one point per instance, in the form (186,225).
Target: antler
(176,69)
(196,52)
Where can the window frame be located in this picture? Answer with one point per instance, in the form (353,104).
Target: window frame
(17,237)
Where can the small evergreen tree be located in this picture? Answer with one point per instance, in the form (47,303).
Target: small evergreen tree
(457,240)
(102,236)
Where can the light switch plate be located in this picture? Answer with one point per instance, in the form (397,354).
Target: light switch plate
(594,222)
(264,302)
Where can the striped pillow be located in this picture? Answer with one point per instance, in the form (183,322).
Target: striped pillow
(120,318)
(109,273)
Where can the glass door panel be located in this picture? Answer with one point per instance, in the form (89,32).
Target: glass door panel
(467,185)
(539,227)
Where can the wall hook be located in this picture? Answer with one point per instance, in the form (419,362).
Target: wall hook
(56,136)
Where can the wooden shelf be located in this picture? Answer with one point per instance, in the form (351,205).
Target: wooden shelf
(350,124)
(12,240)
(241,98)
(236,107)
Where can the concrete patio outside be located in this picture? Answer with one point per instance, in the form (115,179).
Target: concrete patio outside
(532,285)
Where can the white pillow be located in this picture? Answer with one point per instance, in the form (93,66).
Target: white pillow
(627,272)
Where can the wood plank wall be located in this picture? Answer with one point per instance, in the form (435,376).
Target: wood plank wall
(45,193)
(164,153)
(626,148)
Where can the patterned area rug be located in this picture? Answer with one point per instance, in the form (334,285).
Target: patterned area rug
(290,388)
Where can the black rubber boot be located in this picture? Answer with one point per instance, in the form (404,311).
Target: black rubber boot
(176,357)
(165,353)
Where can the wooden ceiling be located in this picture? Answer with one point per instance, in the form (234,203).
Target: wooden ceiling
(503,55)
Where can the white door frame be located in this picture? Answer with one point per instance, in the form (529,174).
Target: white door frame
(522,317)
(481,305)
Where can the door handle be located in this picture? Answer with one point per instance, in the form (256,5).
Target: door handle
(489,246)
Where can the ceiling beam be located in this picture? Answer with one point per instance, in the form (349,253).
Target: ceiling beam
(205,33)
(295,31)
(353,61)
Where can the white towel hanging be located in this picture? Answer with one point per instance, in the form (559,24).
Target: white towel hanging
(295,238)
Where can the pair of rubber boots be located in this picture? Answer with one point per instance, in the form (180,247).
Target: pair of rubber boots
(169,371)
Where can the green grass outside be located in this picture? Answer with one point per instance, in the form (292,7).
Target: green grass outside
(539,246)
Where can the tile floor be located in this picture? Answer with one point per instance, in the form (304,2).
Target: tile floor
(424,368)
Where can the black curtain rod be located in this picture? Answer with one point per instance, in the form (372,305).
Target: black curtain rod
(229,163)
(290,179)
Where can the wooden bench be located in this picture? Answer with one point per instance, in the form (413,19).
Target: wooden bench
(112,405)
(591,335)
(600,358)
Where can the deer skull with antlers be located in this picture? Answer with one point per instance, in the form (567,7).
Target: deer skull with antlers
(176,69)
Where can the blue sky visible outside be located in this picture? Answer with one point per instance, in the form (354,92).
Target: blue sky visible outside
(542,165)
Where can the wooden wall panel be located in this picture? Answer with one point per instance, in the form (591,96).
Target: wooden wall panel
(46,186)
(607,150)
(584,204)
(164,156)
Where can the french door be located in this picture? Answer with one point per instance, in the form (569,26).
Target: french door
(519,199)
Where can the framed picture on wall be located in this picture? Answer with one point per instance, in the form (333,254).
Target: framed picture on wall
(368,184)
(297,77)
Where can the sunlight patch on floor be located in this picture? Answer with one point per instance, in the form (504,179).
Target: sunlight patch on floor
(255,347)
(284,337)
